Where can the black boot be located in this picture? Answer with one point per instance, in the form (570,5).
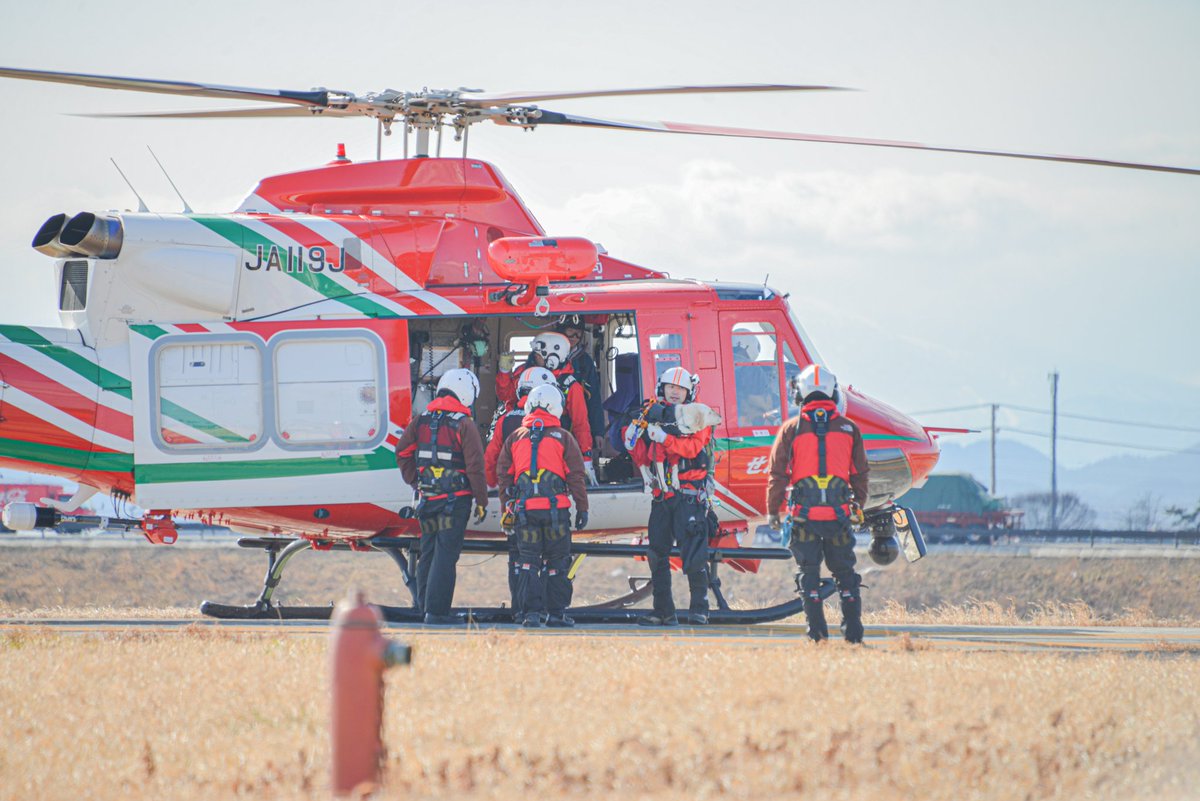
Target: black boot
(698,589)
(559,620)
(852,627)
(814,611)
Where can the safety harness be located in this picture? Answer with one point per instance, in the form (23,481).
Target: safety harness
(821,490)
(441,469)
(690,476)
(539,488)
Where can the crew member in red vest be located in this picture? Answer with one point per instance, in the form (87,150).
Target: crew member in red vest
(552,350)
(540,471)
(440,454)
(679,511)
(506,422)
(818,477)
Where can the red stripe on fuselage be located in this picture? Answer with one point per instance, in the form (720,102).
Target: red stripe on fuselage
(22,426)
(65,399)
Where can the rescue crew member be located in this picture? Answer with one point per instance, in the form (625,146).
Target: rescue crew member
(507,422)
(540,471)
(818,474)
(572,327)
(440,454)
(679,510)
(550,350)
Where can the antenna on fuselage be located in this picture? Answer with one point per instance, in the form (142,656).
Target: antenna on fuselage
(186,208)
(142,207)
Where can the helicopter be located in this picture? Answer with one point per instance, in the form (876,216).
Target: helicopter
(255,369)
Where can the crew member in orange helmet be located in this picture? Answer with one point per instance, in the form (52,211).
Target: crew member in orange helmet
(819,455)
(679,511)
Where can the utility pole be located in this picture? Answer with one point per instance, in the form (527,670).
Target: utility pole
(994,448)
(1054,451)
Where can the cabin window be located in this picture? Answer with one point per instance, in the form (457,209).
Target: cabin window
(756,375)
(209,393)
(667,349)
(791,369)
(329,389)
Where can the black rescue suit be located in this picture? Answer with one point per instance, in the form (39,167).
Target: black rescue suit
(679,514)
(819,462)
(441,454)
(540,471)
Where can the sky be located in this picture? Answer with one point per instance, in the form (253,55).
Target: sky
(929,281)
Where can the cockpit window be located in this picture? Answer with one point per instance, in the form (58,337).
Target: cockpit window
(756,374)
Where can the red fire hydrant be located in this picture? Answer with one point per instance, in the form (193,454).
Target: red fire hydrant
(358,655)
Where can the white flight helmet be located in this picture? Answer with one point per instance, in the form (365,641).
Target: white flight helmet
(534,377)
(545,396)
(554,348)
(680,378)
(462,382)
(815,378)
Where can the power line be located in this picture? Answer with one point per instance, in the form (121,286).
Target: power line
(1044,435)
(1108,420)
(952,409)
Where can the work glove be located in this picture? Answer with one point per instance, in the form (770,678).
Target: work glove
(480,513)
(773,521)
(580,520)
(507,362)
(590,472)
(856,514)
(656,433)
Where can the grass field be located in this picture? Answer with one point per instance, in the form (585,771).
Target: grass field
(201,713)
(947,588)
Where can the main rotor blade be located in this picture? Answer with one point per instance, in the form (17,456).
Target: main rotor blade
(316,98)
(261,111)
(555,118)
(533,97)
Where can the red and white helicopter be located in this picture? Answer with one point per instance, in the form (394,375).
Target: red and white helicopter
(255,368)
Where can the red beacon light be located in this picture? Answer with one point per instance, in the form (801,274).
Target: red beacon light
(340,158)
(533,262)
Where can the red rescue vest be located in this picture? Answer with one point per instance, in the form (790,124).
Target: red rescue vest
(822,457)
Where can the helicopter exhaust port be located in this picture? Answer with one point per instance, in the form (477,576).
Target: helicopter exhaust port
(46,241)
(93,235)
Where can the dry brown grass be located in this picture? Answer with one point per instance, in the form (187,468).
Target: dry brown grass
(947,589)
(201,713)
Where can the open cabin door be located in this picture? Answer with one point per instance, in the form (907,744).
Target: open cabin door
(268,414)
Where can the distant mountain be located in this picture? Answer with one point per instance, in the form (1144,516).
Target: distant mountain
(1110,486)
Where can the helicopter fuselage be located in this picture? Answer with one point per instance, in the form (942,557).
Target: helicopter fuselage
(257,368)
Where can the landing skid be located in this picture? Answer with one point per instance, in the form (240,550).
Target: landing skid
(403,551)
